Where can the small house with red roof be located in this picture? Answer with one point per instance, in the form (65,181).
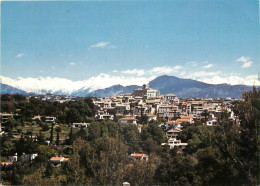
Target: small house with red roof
(58,159)
(128,120)
(139,156)
(151,117)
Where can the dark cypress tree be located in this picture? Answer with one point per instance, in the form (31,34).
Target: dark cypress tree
(51,136)
(70,137)
(58,130)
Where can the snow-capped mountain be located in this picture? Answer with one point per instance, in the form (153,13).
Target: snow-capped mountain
(166,84)
(42,85)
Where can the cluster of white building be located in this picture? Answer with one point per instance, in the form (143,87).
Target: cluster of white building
(149,102)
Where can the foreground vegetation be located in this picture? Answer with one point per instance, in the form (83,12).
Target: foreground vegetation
(227,154)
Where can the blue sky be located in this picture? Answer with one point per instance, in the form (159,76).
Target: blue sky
(203,39)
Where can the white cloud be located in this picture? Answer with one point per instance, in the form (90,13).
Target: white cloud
(105,80)
(103,44)
(246,60)
(19,55)
(183,73)
(247,64)
(231,79)
(72,63)
(243,59)
(111,46)
(115,71)
(218,78)
(192,63)
(177,67)
(198,74)
(254,77)
(138,72)
(208,66)
(164,70)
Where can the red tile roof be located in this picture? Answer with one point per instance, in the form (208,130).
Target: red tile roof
(151,115)
(6,163)
(127,118)
(186,117)
(56,158)
(183,120)
(139,155)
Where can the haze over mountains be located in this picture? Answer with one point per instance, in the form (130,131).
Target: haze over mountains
(185,88)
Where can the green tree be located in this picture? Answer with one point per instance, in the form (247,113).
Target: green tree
(51,135)
(49,170)
(40,138)
(205,113)
(45,126)
(143,119)
(75,171)
(151,146)
(58,129)
(73,115)
(82,133)
(70,136)
(238,145)
(10,124)
(7,147)
(94,131)
(141,172)
(154,132)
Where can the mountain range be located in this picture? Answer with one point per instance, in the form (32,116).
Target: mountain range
(6,89)
(185,88)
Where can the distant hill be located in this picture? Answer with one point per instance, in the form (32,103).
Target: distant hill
(6,89)
(186,88)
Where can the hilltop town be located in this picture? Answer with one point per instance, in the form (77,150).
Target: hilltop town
(148,102)
(141,129)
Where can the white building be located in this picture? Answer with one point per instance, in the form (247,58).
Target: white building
(173,142)
(167,111)
(146,92)
(29,156)
(5,116)
(173,124)
(50,119)
(173,133)
(13,158)
(170,99)
(79,125)
(212,123)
